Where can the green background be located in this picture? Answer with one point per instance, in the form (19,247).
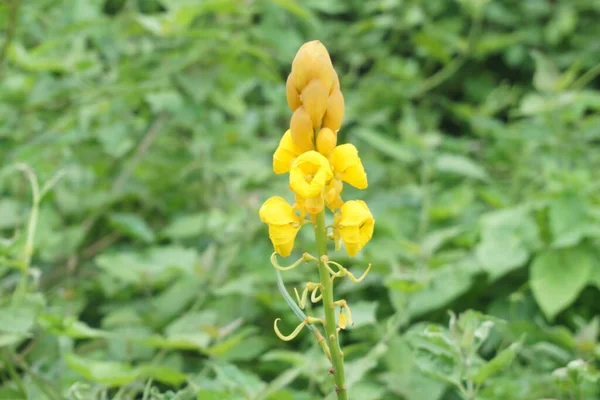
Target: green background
(477,122)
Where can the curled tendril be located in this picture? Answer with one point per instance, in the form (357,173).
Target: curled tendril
(310,286)
(344,271)
(307,321)
(313,296)
(305,258)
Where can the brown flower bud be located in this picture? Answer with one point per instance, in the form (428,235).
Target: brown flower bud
(335,111)
(303,134)
(314,99)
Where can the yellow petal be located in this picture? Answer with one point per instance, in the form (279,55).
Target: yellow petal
(285,153)
(314,99)
(309,174)
(335,111)
(293,97)
(348,167)
(277,211)
(303,133)
(335,84)
(283,237)
(355,225)
(326,141)
(343,322)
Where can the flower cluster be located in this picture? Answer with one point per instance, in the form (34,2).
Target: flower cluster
(317,167)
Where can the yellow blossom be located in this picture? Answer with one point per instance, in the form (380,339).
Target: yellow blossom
(286,152)
(326,141)
(283,224)
(354,225)
(347,166)
(302,130)
(309,174)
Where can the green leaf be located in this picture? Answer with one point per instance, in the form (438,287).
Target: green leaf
(508,237)
(557,277)
(460,165)
(568,220)
(293,7)
(384,144)
(546,74)
(132,225)
(19,320)
(500,362)
(106,372)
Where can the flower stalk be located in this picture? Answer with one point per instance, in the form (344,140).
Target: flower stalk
(337,357)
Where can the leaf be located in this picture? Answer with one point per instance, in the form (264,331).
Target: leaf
(501,361)
(460,165)
(293,7)
(386,145)
(508,237)
(19,320)
(132,225)
(106,372)
(546,74)
(557,277)
(568,220)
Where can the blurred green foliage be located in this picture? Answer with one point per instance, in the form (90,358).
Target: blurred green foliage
(476,120)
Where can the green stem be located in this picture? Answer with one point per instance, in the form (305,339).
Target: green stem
(337,357)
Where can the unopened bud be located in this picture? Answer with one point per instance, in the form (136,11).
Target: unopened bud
(314,99)
(303,133)
(335,111)
(326,141)
(293,98)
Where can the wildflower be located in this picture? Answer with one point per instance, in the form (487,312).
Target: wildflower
(285,154)
(283,224)
(309,174)
(348,167)
(354,225)
(333,200)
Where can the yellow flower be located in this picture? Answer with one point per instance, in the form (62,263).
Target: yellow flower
(309,174)
(283,224)
(302,130)
(335,111)
(354,225)
(313,61)
(286,152)
(326,141)
(347,166)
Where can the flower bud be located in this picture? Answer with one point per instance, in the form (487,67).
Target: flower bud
(312,61)
(314,99)
(335,111)
(293,98)
(326,141)
(303,133)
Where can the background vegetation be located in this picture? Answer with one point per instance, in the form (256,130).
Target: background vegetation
(477,122)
